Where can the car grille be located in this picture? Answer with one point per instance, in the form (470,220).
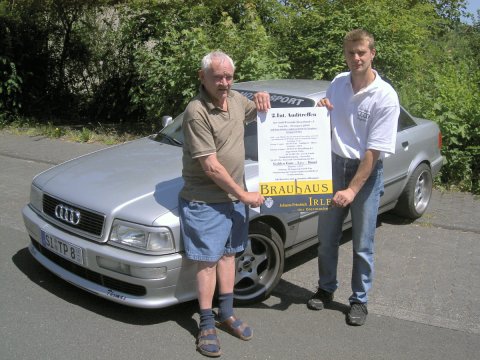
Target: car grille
(90,222)
(92,276)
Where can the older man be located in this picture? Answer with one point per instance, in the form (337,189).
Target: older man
(214,203)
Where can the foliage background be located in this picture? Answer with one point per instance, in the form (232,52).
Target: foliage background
(127,63)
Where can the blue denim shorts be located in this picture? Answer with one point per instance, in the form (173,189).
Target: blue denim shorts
(211,230)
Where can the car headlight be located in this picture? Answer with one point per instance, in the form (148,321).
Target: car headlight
(36,198)
(147,238)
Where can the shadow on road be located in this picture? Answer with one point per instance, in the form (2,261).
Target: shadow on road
(392,219)
(182,314)
(290,294)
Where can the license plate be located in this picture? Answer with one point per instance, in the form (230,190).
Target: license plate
(62,248)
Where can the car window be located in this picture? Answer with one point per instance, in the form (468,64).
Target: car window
(405,121)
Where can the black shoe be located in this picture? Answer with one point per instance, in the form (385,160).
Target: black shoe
(357,314)
(319,300)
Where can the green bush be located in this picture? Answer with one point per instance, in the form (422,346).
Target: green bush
(447,91)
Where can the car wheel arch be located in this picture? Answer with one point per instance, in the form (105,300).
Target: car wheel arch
(416,194)
(414,164)
(273,222)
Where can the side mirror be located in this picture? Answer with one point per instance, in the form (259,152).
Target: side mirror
(166,120)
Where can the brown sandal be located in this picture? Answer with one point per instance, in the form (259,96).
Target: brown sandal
(202,342)
(228,326)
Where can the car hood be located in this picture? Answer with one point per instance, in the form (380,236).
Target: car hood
(136,181)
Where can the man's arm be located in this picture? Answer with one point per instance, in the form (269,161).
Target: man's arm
(345,197)
(217,172)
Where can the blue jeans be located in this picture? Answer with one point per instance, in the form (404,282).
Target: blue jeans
(364,211)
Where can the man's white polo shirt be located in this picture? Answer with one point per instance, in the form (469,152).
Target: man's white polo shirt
(365,120)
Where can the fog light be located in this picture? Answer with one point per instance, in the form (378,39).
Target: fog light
(134,271)
(149,272)
(113,265)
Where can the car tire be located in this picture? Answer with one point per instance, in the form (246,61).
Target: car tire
(260,266)
(415,198)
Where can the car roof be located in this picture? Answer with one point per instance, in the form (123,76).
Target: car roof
(313,89)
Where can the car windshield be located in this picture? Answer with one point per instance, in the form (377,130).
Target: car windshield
(172,134)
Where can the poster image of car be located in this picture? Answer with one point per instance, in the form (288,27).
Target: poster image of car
(294,159)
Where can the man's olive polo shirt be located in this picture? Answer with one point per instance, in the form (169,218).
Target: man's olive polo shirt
(208,130)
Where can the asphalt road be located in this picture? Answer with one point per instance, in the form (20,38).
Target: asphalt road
(425,302)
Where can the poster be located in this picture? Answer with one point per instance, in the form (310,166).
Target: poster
(294,159)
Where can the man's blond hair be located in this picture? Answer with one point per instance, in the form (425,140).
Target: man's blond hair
(358,35)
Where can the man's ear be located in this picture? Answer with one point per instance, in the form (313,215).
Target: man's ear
(201,75)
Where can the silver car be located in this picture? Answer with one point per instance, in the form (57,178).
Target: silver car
(108,222)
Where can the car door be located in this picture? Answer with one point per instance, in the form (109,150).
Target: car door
(396,166)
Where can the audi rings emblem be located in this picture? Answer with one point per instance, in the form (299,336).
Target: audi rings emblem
(67,214)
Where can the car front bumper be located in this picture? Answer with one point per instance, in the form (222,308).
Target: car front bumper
(175,286)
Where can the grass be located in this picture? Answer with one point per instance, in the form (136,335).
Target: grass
(108,135)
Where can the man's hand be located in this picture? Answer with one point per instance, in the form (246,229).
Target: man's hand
(252,199)
(325,102)
(343,198)
(262,101)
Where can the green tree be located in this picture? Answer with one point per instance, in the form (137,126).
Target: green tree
(311,34)
(168,60)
